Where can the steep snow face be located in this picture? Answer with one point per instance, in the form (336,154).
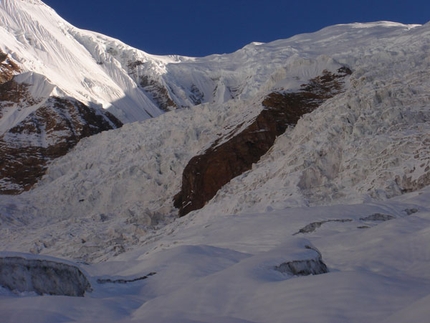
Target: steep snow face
(42,42)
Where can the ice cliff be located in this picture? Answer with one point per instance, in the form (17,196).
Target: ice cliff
(29,274)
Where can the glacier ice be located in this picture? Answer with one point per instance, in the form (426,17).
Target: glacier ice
(21,274)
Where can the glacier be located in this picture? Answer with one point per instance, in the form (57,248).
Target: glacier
(367,143)
(343,192)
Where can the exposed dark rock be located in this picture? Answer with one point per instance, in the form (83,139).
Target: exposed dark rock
(411,211)
(8,68)
(123,280)
(407,184)
(47,133)
(196,96)
(378,217)
(133,64)
(42,277)
(311,227)
(304,267)
(12,92)
(158,93)
(205,174)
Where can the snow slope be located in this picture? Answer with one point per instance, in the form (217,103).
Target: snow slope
(223,269)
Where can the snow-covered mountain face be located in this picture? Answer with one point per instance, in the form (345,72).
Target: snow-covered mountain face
(287,161)
(363,137)
(38,120)
(107,75)
(78,62)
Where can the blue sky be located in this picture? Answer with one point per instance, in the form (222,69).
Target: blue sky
(203,27)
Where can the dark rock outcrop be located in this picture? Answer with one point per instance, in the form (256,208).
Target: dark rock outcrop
(157,92)
(123,280)
(311,227)
(8,68)
(205,174)
(42,277)
(378,217)
(47,133)
(303,267)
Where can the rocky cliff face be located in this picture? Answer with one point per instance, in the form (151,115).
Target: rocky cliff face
(36,130)
(205,174)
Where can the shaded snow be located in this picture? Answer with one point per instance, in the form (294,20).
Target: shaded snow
(222,269)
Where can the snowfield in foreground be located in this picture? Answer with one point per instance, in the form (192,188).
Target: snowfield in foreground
(227,269)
